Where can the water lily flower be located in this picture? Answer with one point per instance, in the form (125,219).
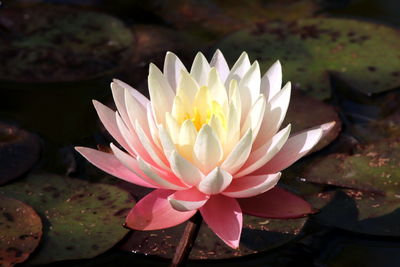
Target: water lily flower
(208,140)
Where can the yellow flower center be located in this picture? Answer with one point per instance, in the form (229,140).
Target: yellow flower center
(202,111)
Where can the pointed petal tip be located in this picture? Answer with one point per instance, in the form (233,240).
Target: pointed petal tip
(328,126)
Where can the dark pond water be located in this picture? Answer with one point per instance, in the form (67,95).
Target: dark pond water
(343,58)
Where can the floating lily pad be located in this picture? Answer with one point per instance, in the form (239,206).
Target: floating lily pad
(20,231)
(19,151)
(81,220)
(372,203)
(301,117)
(361,212)
(311,49)
(45,43)
(372,168)
(216,17)
(258,234)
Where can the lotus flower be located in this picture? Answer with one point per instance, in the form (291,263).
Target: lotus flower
(208,140)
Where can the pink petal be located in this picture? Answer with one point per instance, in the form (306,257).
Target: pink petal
(276,203)
(141,98)
(110,164)
(295,147)
(118,93)
(250,186)
(133,140)
(190,199)
(153,212)
(148,172)
(107,117)
(224,216)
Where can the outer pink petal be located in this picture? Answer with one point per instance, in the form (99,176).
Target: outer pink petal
(224,216)
(107,117)
(190,199)
(276,203)
(295,147)
(139,96)
(153,212)
(110,164)
(250,186)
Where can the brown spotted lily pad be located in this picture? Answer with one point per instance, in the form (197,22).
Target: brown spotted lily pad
(44,43)
(20,231)
(19,151)
(81,220)
(258,234)
(312,49)
(372,202)
(217,17)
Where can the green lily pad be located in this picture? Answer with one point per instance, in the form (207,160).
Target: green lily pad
(362,54)
(46,43)
(19,151)
(258,234)
(20,231)
(81,220)
(372,168)
(372,203)
(217,17)
(298,115)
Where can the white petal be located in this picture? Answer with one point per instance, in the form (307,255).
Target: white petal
(187,138)
(153,151)
(161,94)
(187,87)
(141,98)
(130,137)
(216,124)
(186,200)
(255,117)
(272,81)
(172,69)
(150,172)
(207,148)
(184,169)
(251,82)
(142,169)
(233,130)
(238,70)
(239,154)
(136,112)
(274,115)
(263,154)
(295,147)
(218,61)
(251,186)
(173,127)
(215,182)
(152,126)
(166,141)
(200,69)
(217,88)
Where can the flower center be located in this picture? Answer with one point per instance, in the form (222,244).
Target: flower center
(202,111)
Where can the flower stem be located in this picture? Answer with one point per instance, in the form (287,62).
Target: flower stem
(186,243)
